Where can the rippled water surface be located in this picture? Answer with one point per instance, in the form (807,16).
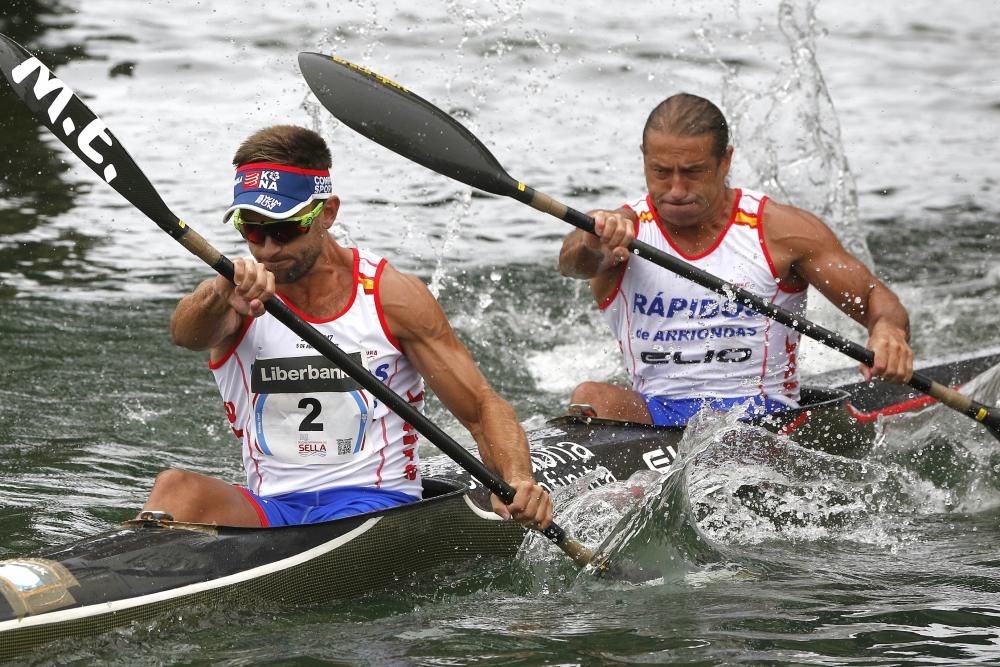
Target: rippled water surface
(881,117)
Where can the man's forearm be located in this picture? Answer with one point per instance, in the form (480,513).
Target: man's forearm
(577,259)
(202,319)
(502,443)
(885,309)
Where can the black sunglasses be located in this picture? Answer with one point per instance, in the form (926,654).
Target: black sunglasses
(280,231)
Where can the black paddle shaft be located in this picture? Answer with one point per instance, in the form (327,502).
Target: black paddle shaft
(69,119)
(409,125)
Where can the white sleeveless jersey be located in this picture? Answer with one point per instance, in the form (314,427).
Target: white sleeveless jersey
(304,424)
(681,340)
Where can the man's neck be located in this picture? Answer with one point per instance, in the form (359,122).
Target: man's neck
(698,237)
(328,286)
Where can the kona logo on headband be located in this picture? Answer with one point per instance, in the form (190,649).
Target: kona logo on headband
(261,180)
(278,190)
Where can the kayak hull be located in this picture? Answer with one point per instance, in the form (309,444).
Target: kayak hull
(146,568)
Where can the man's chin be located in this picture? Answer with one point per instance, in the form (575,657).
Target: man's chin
(283,271)
(286,276)
(290,272)
(678,214)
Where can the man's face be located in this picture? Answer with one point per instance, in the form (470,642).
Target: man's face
(292,259)
(686,182)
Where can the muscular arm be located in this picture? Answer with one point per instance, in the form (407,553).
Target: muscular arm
(599,257)
(203,320)
(812,254)
(417,321)
(585,255)
(582,256)
(209,317)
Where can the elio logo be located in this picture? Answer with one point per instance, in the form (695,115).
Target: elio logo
(658,459)
(45,85)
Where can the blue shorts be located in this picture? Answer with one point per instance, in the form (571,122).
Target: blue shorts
(678,411)
(300,507)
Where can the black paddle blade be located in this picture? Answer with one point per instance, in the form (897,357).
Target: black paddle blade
(403,122)
(55,105)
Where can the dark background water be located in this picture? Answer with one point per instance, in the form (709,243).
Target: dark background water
(881,117)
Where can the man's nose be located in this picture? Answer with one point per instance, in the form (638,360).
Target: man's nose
(678,186)
(269,246)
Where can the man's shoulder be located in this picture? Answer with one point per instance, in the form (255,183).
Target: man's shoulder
(782,218)
(401,288)
(411,310)
(794,235)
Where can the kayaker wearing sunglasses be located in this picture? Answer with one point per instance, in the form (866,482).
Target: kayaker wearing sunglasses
(317,446)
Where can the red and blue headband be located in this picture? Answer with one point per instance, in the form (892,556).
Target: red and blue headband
(277,190)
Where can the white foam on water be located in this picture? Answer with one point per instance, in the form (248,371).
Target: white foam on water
(560,369)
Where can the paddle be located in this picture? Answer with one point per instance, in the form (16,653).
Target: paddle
(86,135)
(391,115)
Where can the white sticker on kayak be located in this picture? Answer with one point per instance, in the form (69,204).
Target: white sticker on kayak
(35,585)
(23,576)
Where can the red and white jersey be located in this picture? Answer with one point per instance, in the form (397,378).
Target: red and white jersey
(681,340)
(304,424)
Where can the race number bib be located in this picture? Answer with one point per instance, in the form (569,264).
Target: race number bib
(308,411)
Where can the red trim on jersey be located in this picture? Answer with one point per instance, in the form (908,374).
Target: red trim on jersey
(718,241)
(385,431)
(215,365)
(378,473)
(253,501)
(378,306)
(284,167)
(789,290)
(603,305)
(767,253)
(763,243)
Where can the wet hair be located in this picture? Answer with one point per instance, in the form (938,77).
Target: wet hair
(688,115)
(285,144)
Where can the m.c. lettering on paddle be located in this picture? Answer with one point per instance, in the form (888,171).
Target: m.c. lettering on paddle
(45,85)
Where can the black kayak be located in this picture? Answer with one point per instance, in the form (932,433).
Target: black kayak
(144,568)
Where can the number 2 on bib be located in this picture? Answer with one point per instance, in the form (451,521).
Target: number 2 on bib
(326,427)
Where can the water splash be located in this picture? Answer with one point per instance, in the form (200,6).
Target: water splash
(791,132)
(734,487)
(956,456)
